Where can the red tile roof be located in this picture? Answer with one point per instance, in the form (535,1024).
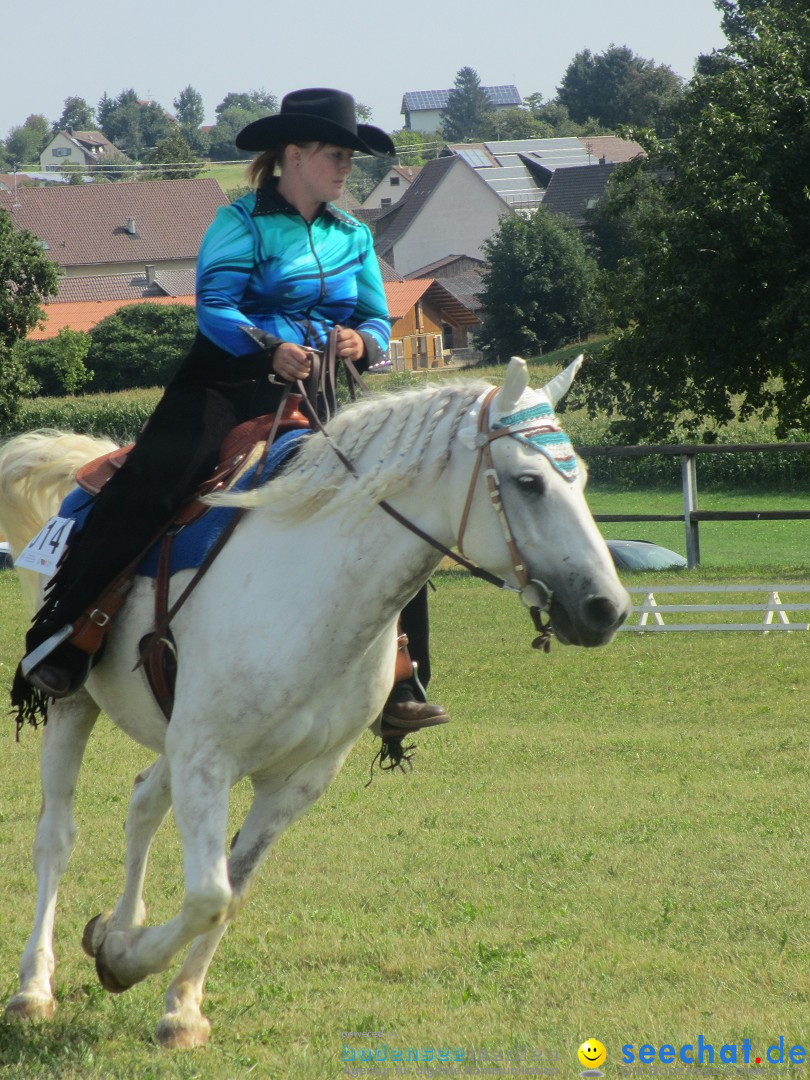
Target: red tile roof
(404,295)
(85,316)
(87,224)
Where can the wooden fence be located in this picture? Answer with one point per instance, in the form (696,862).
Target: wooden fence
(691,515)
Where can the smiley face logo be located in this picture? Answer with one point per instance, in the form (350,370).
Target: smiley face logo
(592,1054)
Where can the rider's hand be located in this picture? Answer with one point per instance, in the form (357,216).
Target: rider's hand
(291,362)
(350,346)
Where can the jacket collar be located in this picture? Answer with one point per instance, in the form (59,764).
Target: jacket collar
(270,201)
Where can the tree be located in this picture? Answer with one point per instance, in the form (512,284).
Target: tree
(714,310)
(140,345)
(133,126)
(190,114)
(174,159)
(233,113)
(76,114)
(617,87)
(258,101)
(28,277)
(540,286)
(468,108)
(25,143)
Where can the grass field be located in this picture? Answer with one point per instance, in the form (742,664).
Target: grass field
(609,844)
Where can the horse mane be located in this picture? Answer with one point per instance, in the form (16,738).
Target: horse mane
(403,424)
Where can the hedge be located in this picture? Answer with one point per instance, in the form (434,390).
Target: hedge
(121,416)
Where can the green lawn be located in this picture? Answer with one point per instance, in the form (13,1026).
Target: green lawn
(604,843)
(758,547)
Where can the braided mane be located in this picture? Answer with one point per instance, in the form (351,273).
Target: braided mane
(400,426)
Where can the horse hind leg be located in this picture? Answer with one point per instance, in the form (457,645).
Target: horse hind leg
(150,802)
(64,741)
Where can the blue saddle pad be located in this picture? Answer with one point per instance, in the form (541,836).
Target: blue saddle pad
(193,542)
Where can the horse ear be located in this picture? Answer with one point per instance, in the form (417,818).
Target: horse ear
(556,388)
(515,382)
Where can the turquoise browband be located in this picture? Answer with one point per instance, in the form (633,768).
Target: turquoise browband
(539,428)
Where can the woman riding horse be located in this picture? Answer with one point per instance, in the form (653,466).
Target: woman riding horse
(280,268)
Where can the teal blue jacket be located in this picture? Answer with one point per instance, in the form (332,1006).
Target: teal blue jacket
(262,265)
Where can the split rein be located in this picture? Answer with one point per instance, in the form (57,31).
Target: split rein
(323,375)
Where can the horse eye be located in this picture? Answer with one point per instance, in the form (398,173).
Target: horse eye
(531,484)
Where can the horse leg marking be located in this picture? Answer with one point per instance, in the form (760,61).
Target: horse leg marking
(64,741)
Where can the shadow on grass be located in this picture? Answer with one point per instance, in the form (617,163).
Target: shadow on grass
(48,1047)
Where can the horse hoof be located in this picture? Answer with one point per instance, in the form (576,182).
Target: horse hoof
(107,978)
(178,1032)
(87,937)
(30,1007)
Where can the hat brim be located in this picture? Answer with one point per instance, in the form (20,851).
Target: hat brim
(303,127)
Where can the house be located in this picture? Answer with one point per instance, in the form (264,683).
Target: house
(93,230)
(448,208)
(391,188)
(427,319)
(462,278)
(71,147)
(84,301)
(84,315)
(422,109)
(575,190)
(520,170)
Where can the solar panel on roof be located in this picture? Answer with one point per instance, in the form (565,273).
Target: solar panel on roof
(503,95)
(476,158)
(437,99)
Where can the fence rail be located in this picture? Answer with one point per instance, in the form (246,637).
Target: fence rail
(775,612)
(692,516)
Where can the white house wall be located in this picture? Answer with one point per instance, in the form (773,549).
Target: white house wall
(59,152)
(460,215)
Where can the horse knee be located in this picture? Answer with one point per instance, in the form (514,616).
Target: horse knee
(205,908)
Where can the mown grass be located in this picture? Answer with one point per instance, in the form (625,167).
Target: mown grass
(608,843)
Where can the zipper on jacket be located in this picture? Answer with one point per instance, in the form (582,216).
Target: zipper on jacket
(320,272)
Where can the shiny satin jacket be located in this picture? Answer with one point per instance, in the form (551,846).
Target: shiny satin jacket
(261,264)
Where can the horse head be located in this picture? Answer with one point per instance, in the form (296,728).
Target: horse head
(559,559)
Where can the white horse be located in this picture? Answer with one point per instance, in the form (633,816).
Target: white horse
(287,646)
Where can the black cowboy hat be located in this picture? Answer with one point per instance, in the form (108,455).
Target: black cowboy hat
(316,115)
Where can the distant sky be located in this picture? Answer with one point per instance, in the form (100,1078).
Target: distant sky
(376,49)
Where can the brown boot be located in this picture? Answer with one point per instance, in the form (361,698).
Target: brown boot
(404,717)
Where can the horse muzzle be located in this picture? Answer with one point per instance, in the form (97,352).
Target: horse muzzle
(591,622)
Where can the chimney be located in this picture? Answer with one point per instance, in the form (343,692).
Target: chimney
(131,227)
(150,273)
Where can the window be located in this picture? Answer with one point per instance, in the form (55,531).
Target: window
(61,151)
(384,204)
(394,181)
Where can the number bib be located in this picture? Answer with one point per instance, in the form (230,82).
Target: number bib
(42,554)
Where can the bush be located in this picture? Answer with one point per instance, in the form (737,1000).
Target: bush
(57,365)
(140,345)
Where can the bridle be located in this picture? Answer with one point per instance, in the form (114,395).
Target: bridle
(484,438)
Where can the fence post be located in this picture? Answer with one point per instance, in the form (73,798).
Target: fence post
(689,477)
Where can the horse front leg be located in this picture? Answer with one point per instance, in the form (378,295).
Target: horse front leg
(64,741)
(200,783)
(150,802)
(276,804)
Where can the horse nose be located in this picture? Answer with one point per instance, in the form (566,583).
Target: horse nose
(601,613)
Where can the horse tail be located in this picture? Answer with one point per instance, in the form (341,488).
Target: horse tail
(37,470)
